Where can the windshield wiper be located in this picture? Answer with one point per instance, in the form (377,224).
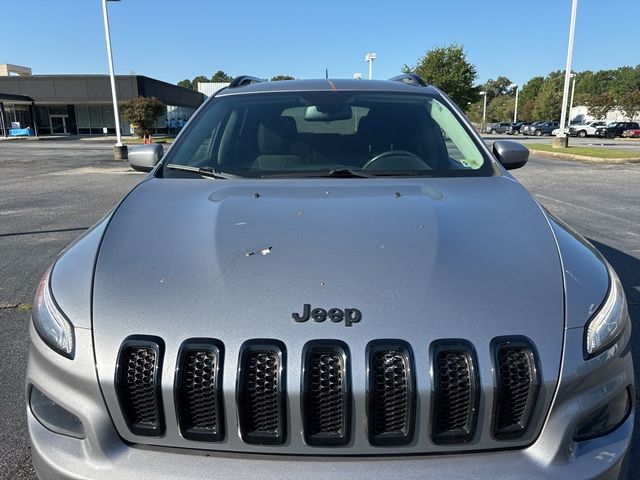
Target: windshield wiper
(348,173)
(333,173)
(203,171)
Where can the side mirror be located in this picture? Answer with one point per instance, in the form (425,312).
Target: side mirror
(144,157)
(511,154)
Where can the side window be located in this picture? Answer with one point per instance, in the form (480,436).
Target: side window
(459,145)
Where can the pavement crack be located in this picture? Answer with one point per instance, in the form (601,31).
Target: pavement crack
(37,232)
(20,306)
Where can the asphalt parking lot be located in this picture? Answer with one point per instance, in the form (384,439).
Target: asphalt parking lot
(51,191)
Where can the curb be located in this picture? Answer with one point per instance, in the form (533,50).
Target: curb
(584,158)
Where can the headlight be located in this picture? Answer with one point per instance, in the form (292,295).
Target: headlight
(50,323)
(608,323)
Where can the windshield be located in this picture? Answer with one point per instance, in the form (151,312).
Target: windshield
(308,133)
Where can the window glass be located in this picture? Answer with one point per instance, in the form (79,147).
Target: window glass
(377,133)
(108,118)
(82,116)
(95,116)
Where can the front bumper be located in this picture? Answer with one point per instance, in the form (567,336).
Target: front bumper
(104,455)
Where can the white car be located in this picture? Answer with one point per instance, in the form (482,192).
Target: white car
(586,129)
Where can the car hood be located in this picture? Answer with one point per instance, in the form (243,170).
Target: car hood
(178,251)
(422,259)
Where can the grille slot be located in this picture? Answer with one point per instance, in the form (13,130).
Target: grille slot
(456,393)
(138,385)
(391,393)
(261,399)
(517,387)
(198,390)
(326,396)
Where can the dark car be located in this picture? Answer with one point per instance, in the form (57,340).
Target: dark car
(616,129)
(544,128)
(516,128)
(494,128)
(530,128)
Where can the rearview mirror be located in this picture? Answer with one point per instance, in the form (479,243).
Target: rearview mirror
(144,157)
(511,154)
(327,113)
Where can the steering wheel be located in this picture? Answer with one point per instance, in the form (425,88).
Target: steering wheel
(407,161)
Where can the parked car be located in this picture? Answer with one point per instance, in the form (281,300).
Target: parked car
(515,128)
(295,292)
(632,133)
(494,128)
(530,128)
(616,129)
(586,129)
(557,131)
(544,128)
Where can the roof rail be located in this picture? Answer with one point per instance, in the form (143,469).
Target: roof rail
(243,80)
(409,79)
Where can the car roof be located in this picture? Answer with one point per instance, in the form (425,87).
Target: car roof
(331,84)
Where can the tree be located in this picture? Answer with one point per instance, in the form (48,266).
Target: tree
(627,79)
(198,79)
(282,77)
(501,108)
(142,112)
(499,86)
(220,76)
(528,96)
(629,103)
(549,101)
(448,69)
(599,105)
(186,83)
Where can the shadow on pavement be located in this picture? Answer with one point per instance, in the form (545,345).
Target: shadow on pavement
(628,269)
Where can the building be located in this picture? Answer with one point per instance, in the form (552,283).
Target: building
(580,114)
(210,88)
(82,104)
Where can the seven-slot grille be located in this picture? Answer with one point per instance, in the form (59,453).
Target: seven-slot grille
(391,393)
(198,390)
(456,392)
(326,394)
(517,386)
(138,385)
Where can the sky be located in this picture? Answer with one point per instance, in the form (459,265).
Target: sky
(172,40)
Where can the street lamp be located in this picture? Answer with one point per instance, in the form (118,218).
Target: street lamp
(370,57)
(119,150)
(561,139)
(515,111)
(484,108)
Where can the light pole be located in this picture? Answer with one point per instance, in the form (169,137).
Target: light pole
(119,150)
(484,109)
(370,57)
(515,111)
(562,140)
(573,92)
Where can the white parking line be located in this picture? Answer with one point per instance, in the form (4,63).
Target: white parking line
(635,224)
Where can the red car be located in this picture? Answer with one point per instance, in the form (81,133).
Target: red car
(632,133)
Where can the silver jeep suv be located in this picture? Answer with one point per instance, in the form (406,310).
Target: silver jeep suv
(330,278)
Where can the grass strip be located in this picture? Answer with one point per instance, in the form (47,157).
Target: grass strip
(598,152)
